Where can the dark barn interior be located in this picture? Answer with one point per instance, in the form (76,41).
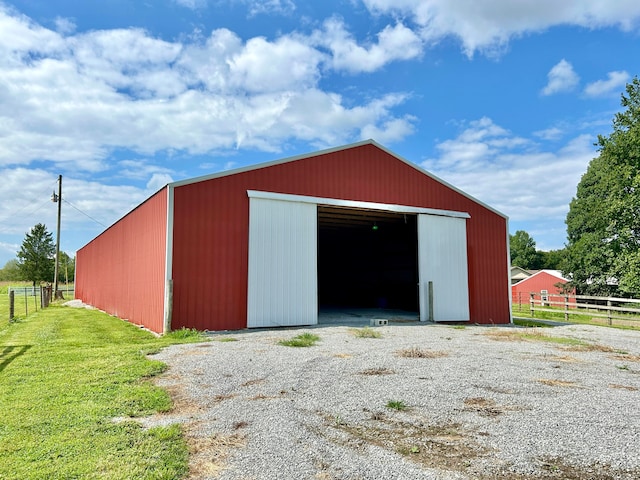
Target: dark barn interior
(367,259)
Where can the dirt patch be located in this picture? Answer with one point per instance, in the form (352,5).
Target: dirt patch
(564,358)
(417,352)
(627,357)
(623,387)
(446,446)
(255,381)
(557,383)
(209,454)
(593,347)
(377,371)
(183,403)
(483,406)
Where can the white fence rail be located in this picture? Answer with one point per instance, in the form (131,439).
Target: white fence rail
(610,308)
(24,290)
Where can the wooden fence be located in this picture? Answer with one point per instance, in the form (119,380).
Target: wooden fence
(609,308)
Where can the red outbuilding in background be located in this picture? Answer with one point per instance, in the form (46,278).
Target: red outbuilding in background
(546,285)
(354,227)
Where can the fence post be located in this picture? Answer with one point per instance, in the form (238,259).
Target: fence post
(26,303)
(12,300)
(519,301)
(566,308)
(431,301)
(608,311)
(532,303)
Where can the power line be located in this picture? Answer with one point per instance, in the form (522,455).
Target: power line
(83,213)
(15,213)
(28,214)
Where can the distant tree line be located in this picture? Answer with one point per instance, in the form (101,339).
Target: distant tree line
(523,253)
(35,261)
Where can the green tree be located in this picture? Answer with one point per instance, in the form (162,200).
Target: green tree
(603,223)
(66,268)
(553,259)
(36,255)
(11,271)
(522,249)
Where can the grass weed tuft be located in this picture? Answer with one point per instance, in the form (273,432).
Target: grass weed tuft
(186,334)
(302,340)
(398,405)
(365,332)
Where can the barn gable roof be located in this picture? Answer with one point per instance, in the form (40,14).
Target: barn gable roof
(249,168)
(557,274)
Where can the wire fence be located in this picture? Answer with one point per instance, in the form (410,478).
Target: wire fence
(19,301)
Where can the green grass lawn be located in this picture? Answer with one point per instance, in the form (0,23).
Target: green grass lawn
(65,374)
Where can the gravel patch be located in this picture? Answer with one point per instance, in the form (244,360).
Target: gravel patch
(479,403)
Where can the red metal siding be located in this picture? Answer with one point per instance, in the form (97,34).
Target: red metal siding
(122,271)
(211,228)
(536,283)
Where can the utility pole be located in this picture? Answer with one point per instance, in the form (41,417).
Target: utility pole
(57,199)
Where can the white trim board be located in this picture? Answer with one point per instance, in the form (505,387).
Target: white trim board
(355,204)
(168,263)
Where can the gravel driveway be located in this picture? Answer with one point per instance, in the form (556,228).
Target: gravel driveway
(471,402)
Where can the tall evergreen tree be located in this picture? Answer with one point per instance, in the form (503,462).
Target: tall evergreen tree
(603,223)
(36,255)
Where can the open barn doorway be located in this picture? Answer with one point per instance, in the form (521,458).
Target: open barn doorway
(367,259)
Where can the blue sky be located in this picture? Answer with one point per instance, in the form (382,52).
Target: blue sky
(503,99)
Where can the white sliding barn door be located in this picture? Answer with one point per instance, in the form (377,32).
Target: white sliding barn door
(442,260)
(283,278)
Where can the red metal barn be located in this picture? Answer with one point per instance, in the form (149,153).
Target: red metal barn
(275,244)
(546,286)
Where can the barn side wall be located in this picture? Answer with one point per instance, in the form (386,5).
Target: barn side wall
(211,229)
(122,271)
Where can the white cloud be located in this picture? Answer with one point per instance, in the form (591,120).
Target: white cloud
(613,84)
(489,25)
(552,133)
(192,4)
(394,43)
(22,37)
(254,7)
(64,26)
(285,64)
(141,169)
(157,181)
(511,174)
(85,204)
(280,7)
(477,145)
(72,100)
(229,165)
(8,250)
(562,78)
